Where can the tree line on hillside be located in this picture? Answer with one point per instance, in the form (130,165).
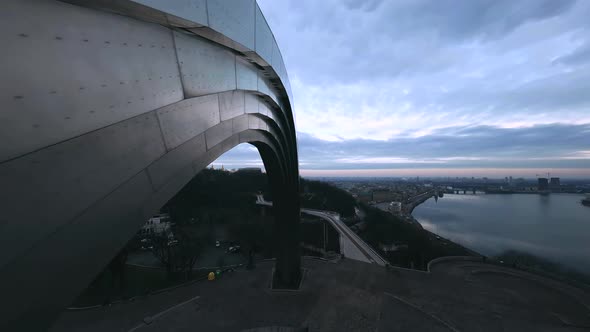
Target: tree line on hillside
(228,197)
(422,246)
(324,196)
(218,197)
(217,190)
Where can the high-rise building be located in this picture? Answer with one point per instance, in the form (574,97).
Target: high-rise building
(542,184)
(554,184)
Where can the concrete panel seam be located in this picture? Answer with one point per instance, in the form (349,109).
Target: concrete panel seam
(69,223)
(149,176)
(254,46)
(175,174)
(76,136)
(161,132)
(218,107)
(182,84)
(205,139)
(207,11)
(236,69)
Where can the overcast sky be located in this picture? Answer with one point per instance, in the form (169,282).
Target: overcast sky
(412,87)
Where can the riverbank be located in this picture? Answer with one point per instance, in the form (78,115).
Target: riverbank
(417,200)
(550,227)
(470,252)
(404,242)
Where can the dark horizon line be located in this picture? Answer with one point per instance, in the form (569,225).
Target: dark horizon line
(438,177)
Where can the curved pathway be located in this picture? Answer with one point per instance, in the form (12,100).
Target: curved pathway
(351,296)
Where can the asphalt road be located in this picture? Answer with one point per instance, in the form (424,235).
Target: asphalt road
(351,245)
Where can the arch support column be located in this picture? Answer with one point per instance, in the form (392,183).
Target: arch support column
(287,272)
(286,210)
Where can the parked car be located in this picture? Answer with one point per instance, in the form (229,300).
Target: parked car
(234,249)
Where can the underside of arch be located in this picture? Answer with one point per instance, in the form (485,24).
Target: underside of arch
(106,117)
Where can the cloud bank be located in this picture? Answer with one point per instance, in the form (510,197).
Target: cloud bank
(436,84)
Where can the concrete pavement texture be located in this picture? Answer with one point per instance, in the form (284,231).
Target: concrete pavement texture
(457,295)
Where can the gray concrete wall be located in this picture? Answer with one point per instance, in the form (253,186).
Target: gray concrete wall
(108,110)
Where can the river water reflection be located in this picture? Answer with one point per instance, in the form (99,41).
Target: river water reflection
(555,227)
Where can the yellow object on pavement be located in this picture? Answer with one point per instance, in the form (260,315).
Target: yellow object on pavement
(211,276)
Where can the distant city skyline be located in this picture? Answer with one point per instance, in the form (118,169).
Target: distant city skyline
(473,88)
(495,173)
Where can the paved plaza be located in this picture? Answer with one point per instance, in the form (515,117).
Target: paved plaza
(348,295)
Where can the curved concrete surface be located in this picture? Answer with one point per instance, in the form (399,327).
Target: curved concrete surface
(516,293)
(346,296)
(110,108)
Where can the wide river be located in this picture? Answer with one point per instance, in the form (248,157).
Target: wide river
(555,227)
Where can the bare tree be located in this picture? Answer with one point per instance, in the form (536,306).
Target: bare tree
(177,255)
(186,252)
(161,249)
